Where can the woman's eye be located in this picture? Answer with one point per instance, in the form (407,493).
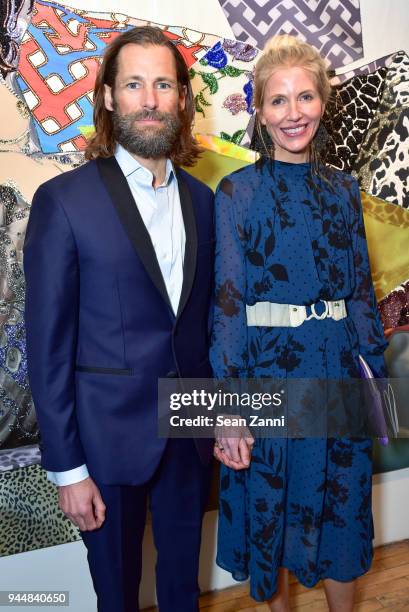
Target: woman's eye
(277,101)
(307,96)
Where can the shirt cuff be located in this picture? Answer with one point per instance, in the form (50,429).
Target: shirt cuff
(62,479)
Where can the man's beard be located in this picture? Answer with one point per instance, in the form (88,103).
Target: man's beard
(148,143)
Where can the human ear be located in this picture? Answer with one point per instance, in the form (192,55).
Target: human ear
(108,99)
(182,98)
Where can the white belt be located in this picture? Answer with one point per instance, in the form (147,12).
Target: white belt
(269,314)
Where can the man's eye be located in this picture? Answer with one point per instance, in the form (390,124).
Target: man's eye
(164,85)
(133,85)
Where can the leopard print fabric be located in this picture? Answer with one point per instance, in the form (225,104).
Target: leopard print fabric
(30,517)
(13,458)
(382,167)
(348,115)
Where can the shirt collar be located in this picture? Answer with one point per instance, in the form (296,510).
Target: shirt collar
(130,166)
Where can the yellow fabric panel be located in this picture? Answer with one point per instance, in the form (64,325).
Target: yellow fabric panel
(219,158)
(387,233)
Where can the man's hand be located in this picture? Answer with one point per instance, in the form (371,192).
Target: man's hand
(82,504)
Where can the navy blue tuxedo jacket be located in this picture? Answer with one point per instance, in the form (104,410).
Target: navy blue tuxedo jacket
(100,327)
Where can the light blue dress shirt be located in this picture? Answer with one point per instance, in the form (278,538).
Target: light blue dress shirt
(161,213)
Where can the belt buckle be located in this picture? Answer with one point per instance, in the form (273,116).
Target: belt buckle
(322,316)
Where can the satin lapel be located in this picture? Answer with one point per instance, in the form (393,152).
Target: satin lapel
(123,200)
(189,266)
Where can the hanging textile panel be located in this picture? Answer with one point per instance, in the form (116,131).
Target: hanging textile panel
(382,166)
(332,26)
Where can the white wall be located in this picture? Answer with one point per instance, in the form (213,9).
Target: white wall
(385,27)
(65,567)
(390,504)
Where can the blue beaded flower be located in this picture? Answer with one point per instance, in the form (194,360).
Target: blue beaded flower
(248,90)
(216,56)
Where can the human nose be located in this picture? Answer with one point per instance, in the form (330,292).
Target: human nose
(150,99)
(294,112)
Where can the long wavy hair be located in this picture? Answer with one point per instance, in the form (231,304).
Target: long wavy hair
(102,144)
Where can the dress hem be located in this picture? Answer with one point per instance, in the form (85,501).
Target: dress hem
(244,576)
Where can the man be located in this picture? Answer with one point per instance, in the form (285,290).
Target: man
(118,260)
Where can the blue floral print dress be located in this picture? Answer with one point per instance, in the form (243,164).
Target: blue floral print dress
(287,235)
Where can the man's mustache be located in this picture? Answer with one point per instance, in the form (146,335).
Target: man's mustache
(151,115)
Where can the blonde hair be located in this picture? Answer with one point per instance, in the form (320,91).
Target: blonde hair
(287,51)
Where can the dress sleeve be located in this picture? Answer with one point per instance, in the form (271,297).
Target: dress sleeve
(362,305)
(228,353)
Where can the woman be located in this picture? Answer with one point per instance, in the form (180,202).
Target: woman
(290,233)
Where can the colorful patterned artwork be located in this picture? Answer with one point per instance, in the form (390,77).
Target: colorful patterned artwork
(60,56)
(18,426)
(387,232)
(222,83)
(348,115)
(395,308)
(30,517)
(332,26)
(49,54)
(219,158)
(14,19)
(382,166)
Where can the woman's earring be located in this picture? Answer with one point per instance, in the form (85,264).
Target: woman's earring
(317,147)
(321,138)
(261,141)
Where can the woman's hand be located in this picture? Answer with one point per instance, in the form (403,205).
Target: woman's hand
(233,446)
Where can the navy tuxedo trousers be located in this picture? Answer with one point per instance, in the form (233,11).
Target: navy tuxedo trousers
(177,493)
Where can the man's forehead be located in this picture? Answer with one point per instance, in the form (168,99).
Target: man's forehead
(152,57)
